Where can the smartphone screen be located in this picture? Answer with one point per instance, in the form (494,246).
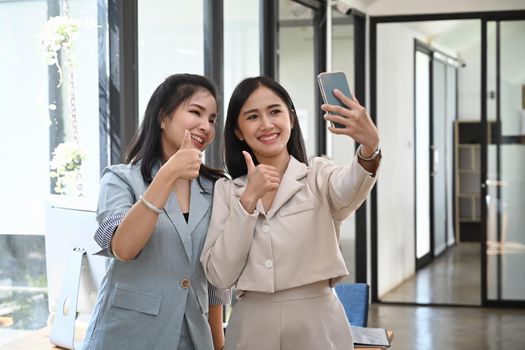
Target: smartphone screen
(330,81)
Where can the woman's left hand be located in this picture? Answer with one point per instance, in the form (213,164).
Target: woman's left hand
(356,120)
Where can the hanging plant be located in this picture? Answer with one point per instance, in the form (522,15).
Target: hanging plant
(65,168)
(59,33)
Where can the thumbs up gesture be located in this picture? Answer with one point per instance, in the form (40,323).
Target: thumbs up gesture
(261,179)
(186,162)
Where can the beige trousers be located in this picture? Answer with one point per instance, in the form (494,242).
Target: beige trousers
(303,318)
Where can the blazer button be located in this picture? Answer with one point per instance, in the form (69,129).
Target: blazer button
(268,264)
(185,283)
(266,228)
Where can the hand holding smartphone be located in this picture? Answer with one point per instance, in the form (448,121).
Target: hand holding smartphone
(329,81)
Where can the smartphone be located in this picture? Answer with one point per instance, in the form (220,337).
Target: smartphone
(329,81)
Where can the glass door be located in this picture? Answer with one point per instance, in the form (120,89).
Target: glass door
(503,177)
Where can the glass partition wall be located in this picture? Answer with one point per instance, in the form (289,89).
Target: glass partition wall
(502,188)
(483,222)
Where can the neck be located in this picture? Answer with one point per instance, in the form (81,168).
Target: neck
(280,162)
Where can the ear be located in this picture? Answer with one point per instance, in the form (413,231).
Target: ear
(238,134)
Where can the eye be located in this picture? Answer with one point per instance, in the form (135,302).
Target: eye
(275,111)
(195,112)
(213,121)
(251,117)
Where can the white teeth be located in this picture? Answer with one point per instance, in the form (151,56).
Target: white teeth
(268,138)
(196,138)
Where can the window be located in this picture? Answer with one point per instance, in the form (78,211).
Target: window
(28,99)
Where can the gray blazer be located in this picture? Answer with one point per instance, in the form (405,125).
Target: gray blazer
(141,304)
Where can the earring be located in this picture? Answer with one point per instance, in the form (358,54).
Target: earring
(240,138)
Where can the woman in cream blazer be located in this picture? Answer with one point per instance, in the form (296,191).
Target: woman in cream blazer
(274,230)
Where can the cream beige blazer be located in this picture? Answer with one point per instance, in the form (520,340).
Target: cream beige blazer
(297,241)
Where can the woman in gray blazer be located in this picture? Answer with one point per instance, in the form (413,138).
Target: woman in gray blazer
(275,227)
(154,213)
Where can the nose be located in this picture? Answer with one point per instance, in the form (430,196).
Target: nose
(266,122)
(204,125)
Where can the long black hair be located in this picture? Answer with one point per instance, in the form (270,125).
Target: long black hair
(233,147)
(146,145)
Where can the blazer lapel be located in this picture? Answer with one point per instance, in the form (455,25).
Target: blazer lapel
(174,214)
(289,184)
(199,204)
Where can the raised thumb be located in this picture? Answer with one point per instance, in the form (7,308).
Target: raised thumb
(186,143)
(249,161)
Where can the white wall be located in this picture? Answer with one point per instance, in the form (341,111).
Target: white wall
(395,188)
(469,83)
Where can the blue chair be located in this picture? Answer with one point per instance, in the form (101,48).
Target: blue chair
(354,297)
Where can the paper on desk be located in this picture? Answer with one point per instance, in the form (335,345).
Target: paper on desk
(370,337)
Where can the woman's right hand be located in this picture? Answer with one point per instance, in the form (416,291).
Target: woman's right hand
(185,163)
(260,180)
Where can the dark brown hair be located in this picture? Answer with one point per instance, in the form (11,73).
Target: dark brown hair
(146,145)
(233,147)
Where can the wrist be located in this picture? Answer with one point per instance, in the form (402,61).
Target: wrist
(248,201)
(367,154)
(167,176)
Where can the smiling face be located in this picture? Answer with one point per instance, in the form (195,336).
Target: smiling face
(197,115)
(264,123)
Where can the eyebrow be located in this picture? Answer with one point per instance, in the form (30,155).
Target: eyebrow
(214,115)
(196,105)
(269,107)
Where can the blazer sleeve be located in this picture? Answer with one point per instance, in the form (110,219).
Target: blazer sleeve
(230,235)
(341,188)
(115,199)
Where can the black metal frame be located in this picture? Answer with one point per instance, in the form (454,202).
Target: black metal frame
(484,17)
(214,69)
(123,75)
(269,38)
(319,26)
(361,248)
(427,258)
